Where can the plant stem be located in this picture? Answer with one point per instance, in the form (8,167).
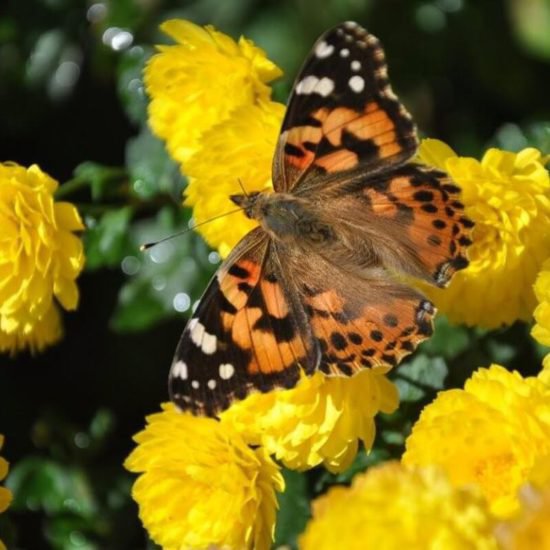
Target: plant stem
(70,186)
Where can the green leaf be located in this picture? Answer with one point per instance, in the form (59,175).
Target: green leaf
(447,340)
(531,22)
(41,484)
(102,424)
(103,179)
(151,170)
(293,509)
(512,137)
(106,242)
(164,281)
(69,533)
(415,378)
(501,352)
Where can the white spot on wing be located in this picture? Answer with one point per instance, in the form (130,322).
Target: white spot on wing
(205,341)
(209,343)
(179,370)
(325,86)
(227,370)
(211,384)
(344,52)
(306,85)
(355,65)
(195,384)
(356,83)
(313,85)
(323,49)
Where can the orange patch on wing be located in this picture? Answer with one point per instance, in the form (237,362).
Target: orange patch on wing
(241,330)
(343,159)
(297,137)
(390,149)
(371,125)
(274,299)
(380,203)
(327,301)
(300,162)
(272,356)
(335,122)
(229,284)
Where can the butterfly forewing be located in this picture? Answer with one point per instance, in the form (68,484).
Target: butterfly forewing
(342,115)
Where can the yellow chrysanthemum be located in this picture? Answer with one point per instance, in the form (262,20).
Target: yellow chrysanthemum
(45,332)
(544,374)
(239,149)
(391,507)
(319,421)
(530,529)
(5,495)
(541,331)
(200,81)
(507,195)
(201,486)
(40,258)
(491,433)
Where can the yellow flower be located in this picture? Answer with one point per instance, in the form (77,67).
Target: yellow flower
(44,332)
(201,486)
(238,149)
(391,507)
(5,495)
(530,528)
(198,82)
(541,331)
(507,195)
(40,258)
(491,433)
(318,421)
(544,374)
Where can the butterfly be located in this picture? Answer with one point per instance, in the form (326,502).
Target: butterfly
(322,283)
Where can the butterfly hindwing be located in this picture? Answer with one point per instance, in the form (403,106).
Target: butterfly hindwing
(342,115)
(247,334)
(359,317)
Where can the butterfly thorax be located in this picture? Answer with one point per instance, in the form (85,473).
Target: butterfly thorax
(286,217)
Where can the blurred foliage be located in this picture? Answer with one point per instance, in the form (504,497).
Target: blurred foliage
(475,74)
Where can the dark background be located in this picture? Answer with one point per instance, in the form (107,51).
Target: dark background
(474,74)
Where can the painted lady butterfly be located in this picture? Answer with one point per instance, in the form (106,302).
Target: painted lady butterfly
(319,285)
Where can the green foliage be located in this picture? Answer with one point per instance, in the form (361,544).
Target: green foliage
(293,509)
(107,239)
(151,170)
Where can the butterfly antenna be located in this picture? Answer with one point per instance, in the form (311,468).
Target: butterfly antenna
(147,246)
(242,187)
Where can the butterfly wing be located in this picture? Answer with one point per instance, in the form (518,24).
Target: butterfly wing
(246,334)
(358,317)
(410,218)
(342,115)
